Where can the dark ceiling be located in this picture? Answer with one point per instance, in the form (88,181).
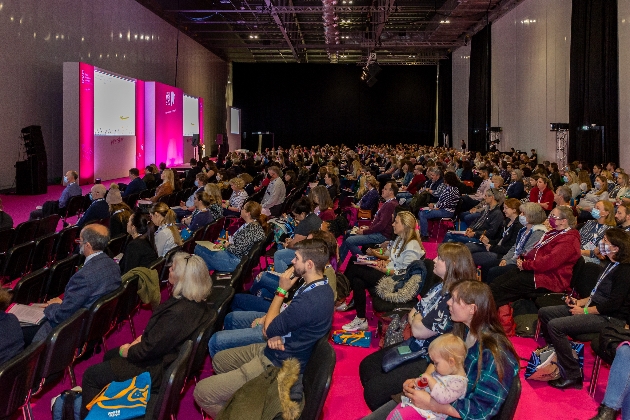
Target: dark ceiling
(399,32)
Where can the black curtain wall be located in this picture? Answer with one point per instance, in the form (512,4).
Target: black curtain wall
(594,85)
(479,90)
(445,97)
(310,104)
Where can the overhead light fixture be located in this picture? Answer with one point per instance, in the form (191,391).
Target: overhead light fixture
(253,37)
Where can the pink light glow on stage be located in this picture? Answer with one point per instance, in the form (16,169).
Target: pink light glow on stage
(86,123)
(169,124)
(140,152)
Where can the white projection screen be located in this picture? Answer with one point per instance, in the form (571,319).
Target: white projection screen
(235,121)
(191,116)
(114,105)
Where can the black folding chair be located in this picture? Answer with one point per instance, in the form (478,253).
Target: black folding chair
(59,276)
(30,288)
(16,261)
(16,381)
(42,255)
(25,232)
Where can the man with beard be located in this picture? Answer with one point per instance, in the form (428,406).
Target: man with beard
(99,275)
(291,333)
(622,216)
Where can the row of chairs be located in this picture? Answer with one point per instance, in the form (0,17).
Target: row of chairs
(21,259)
(28,231)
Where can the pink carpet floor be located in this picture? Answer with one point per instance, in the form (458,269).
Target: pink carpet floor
(345,400)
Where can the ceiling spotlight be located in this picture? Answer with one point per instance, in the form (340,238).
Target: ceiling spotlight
(445,21)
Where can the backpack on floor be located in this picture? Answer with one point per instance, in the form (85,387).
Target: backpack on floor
(67,405)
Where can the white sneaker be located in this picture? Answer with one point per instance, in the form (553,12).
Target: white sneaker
(357,324)
(342,308)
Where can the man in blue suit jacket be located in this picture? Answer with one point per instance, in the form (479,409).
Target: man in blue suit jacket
(99,275)
(99,209)
(136,185)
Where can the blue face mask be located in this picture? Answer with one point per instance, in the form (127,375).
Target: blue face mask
(595,213)
(598,185)
(565,179)
(492,185)
(196,183)
(489,175)
(90,195)
(65,179)
(522,220)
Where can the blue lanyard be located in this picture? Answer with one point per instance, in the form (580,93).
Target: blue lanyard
(604,274)
(311,287)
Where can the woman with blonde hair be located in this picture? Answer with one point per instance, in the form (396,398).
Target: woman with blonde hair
(238,198)
(621,190)
(392,258)
(228,254)
(166,237)
(584,180)
(172,323)
(166,187)
(322,202)
(216,200)
(571,180)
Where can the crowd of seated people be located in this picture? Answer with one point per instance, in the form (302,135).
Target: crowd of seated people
(519,225)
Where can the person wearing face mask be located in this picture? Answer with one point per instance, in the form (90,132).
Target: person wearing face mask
(593,230)
(587,203)
(99,209)
(471,217)
(608,304)
(186,208)
(547,267)
(59,206)
(98,276)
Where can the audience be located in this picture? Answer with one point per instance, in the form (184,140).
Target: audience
(98,209)
(172,323)
(166,235)
(136,185)
(166,187)
(238,198)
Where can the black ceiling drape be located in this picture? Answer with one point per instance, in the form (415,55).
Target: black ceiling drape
(594,85)
(479,90)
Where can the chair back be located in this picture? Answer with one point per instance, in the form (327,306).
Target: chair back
(508,409)
(100,320)
(65,242)
(74,206)
(61,346)
(48,225)
(168,261)
(200,345)
(132,199)
(6,239)
(129,300)
(213,230)
(42,254)
(167,402)
(158,265)
(189,244)
(30,288)
(220,300)
(59,276)
(17,378)
(25,232)
(317,378)
(16,261)
(586,279)
(116,245)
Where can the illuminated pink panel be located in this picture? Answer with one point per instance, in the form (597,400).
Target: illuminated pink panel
(140,152)
(86,124)
(201,121)
(169,124)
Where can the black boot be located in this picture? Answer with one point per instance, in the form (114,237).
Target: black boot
(562,383)
(605,413)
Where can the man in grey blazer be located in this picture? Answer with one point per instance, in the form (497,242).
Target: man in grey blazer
(99,275)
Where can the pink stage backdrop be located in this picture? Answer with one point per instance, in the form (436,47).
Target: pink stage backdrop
(169,124)
(140,152)
(86,124)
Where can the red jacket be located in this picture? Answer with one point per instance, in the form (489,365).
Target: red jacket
(553,262)
(416,183)
(547,197)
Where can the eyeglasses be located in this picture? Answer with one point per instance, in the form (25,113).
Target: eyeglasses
(552,216)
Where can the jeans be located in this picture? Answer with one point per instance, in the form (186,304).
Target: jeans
(238,332)
(557,324)
(486,260)
(425,215)
(218,260)
(352,243)
(457,237)
(469,218)
(247,302)
(618,389)
(265,286)
(406,195)
(282,258)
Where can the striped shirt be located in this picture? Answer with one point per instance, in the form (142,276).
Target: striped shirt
(448,198)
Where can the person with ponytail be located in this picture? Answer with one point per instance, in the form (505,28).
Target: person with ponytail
(491,363)
(166,237)
(231,252)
